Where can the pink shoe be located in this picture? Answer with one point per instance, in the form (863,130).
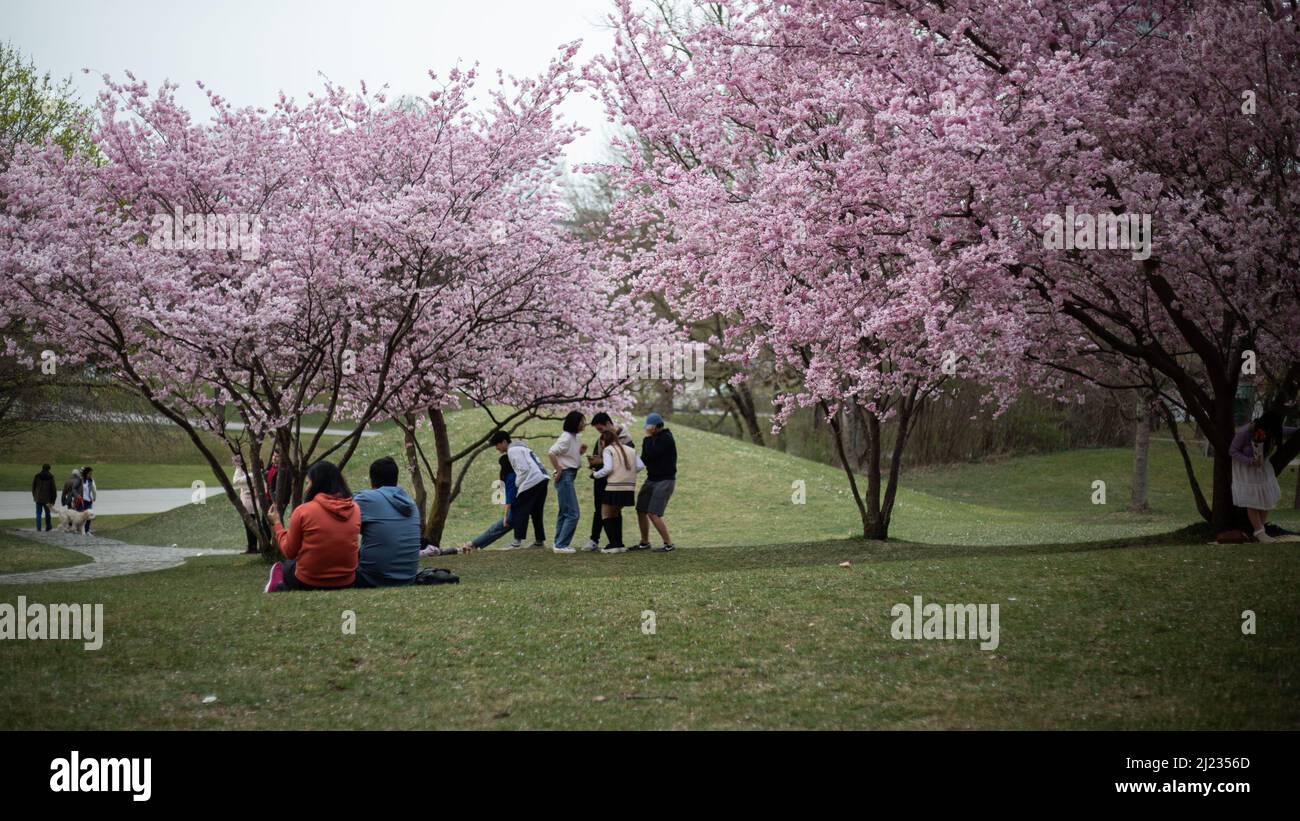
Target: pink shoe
(276,579)
(430,550)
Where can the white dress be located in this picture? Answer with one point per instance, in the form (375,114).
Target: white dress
(1255,487)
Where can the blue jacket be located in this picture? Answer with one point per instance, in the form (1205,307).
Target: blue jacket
(390,537)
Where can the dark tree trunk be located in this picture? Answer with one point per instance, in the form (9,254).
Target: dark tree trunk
(1202,506)
(413,466)
(741,399)
(1223,515)
(1141,452)
(440,504)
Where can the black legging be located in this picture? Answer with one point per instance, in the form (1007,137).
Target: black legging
(596,521)
(528,505)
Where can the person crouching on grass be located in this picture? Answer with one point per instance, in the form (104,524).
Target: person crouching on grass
(659,453)
(320,546)
(619,466)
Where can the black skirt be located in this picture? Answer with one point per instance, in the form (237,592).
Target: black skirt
(618,498)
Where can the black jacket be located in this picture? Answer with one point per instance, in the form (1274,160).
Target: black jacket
(43,489)
(659,453)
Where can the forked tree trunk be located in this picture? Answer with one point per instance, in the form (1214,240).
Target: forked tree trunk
(876,506)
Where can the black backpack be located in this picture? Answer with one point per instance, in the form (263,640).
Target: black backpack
(436,575)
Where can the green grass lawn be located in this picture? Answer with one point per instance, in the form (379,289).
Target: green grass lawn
(1105,623)
(732,493)
(746,637)
(110,476)
(19,555)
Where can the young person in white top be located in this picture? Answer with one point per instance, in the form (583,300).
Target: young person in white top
(619,467)
(566,458)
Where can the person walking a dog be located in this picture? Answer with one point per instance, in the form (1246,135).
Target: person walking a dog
(44,495)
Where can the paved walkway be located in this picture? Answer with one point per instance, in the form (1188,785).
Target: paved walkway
(110,558)
(17,504)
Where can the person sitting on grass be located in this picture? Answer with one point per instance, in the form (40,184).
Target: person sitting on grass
(530,486)
(619,466)
(501,526)
(659,453)
(320,546)
(390,530)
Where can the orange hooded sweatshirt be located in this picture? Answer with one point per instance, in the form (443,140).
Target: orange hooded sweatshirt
(322,537)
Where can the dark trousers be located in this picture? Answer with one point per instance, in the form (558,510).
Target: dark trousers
(87,506)
(292,582)
(528,506)
(596,521)
(42,508)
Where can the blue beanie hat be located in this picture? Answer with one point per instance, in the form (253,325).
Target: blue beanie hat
(654,420)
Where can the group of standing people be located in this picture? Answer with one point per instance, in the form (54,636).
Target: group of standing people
(614,465)
(79,493)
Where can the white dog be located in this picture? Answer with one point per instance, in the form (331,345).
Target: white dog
(72,521)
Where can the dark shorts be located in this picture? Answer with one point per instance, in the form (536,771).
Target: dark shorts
(653,496)
(618,498)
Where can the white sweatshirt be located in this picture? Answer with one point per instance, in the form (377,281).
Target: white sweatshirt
(527,467)
(567,450)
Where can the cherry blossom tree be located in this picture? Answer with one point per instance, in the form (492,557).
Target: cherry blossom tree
(1181,113)
(339,260)
(779,199)
(950,144)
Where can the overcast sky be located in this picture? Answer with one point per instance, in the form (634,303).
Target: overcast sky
(250,50)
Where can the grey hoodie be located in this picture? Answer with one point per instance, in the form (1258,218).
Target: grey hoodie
(390,537)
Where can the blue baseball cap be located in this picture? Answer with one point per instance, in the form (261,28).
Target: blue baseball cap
(654,420)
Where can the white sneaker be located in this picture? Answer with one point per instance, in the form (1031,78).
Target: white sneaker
(1262,536)
(515,545)
(563,550)
(591,546)
(614,550)
(430,550)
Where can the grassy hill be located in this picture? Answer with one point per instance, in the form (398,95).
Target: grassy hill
(733,493)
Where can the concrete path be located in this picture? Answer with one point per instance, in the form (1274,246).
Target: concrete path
(110,558)
(17,504)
